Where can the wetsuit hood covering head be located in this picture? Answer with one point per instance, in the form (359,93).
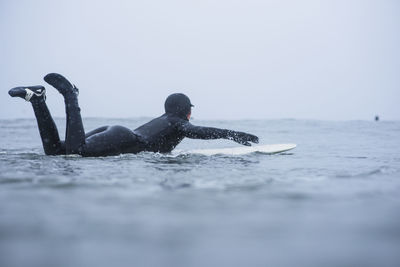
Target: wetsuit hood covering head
(178,104)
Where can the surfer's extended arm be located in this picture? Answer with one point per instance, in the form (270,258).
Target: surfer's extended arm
(199,132)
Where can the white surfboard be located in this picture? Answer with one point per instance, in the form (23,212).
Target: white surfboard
(266,149)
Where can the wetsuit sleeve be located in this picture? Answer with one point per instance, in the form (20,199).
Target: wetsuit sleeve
(198,132)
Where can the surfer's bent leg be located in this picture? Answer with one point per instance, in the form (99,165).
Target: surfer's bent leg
(104,141)
(47,128)
(75,134)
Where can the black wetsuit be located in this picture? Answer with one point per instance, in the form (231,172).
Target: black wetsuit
(161,134)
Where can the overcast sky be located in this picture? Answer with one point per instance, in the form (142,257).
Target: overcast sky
(252,59)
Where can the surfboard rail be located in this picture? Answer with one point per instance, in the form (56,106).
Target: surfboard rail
(243,150)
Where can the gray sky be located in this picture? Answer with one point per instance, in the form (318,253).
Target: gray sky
(234,59)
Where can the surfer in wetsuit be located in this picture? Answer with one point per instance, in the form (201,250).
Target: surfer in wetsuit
(161,134)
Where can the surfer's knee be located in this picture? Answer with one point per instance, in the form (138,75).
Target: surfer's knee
(54,149)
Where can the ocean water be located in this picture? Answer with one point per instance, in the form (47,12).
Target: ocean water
(332,201)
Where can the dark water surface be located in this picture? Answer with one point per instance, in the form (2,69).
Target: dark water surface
(333,201)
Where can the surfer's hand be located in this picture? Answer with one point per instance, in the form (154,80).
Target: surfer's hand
(244,138)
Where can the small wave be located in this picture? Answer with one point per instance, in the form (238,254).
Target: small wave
(170,186)
(279,154)
(9,180)
(353,157)
(381,170)
(244,187)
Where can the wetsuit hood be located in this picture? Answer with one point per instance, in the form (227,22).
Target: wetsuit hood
(178,104)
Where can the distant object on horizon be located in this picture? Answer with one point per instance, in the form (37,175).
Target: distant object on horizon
(376,118)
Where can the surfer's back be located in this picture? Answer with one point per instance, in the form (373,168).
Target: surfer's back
(161,134)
